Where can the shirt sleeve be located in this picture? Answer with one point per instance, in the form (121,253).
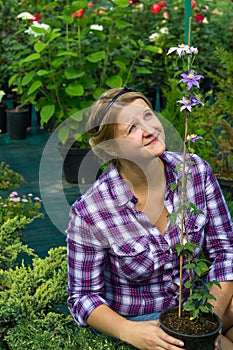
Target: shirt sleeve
(219,232)
(85,274)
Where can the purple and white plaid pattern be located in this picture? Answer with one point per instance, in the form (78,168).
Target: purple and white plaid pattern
(117,257)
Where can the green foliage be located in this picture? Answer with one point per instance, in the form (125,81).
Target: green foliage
(10,242)
(198,300)
(9,178)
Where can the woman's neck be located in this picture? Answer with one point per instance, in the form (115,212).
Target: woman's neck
(141,180)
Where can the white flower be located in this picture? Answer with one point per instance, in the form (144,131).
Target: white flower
(25,15)
(97,27)
(181,50)
(30,30)
(153,37)
(2,93)
(164,30)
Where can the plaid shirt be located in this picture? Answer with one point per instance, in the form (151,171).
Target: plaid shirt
(117,257)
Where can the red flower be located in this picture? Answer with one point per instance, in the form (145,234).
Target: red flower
(37,17)
(133,1)
(162,3)
(78,14)
(194,4)
(156,8)
(199,18)
(90,5)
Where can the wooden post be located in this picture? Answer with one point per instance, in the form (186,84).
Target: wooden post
(187,16)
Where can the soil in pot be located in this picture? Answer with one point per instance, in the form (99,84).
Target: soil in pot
(196,334)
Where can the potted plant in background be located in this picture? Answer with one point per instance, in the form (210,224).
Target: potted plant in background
(79,52)
(193,321)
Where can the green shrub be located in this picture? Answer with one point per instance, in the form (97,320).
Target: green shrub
(8,177)
(10,242)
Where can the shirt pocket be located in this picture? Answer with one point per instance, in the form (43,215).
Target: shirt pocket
(133,260)
(195,226)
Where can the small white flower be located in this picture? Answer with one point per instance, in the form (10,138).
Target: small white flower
(25,15)
(164,30)
(30,30)
(97,27)
(153,37)
(2,93)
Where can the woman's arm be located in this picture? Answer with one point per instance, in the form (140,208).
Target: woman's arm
(145,335)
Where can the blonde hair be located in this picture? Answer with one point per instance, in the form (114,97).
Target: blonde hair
(103,114)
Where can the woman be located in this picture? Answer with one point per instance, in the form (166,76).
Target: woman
(122,272)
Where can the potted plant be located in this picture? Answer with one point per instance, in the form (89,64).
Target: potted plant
(193,321)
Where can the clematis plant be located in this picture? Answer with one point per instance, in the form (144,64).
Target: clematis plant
(198,301)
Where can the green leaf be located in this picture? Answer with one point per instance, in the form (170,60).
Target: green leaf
(75,89)
(155,49)
(114,81)
(120,64)
(27,78)
(96,56)
(97,92)
(35,86)
(73,73)
(63,134)
(47,112)
(39,46)
(12,79)
(32,57)
(143,70)
(67,53)
(42,72)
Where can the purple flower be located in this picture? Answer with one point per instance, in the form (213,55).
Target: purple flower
(191,79)
(190,102)
(193,138)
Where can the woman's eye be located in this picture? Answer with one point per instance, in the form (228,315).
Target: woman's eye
(131,128)
(148,115)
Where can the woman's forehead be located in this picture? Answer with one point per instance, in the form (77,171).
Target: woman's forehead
(133,110)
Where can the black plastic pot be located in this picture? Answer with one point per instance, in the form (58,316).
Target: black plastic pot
(3,119)
(193,342)
(79,165)
(17,123)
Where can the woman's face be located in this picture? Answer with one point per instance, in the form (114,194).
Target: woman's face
(139,132)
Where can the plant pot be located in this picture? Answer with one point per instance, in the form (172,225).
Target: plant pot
(3,119)
(17,123)
(80,165)
(200,341)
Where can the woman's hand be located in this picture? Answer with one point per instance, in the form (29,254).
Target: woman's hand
(147,335)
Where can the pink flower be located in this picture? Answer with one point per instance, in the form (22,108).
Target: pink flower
(90,5)
(78,14)
(24,200)
(12,194)
(166,15)
(15,199)
(194,4)
(156,8)
(199,18)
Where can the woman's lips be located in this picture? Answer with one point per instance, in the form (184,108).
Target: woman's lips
(153,141)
